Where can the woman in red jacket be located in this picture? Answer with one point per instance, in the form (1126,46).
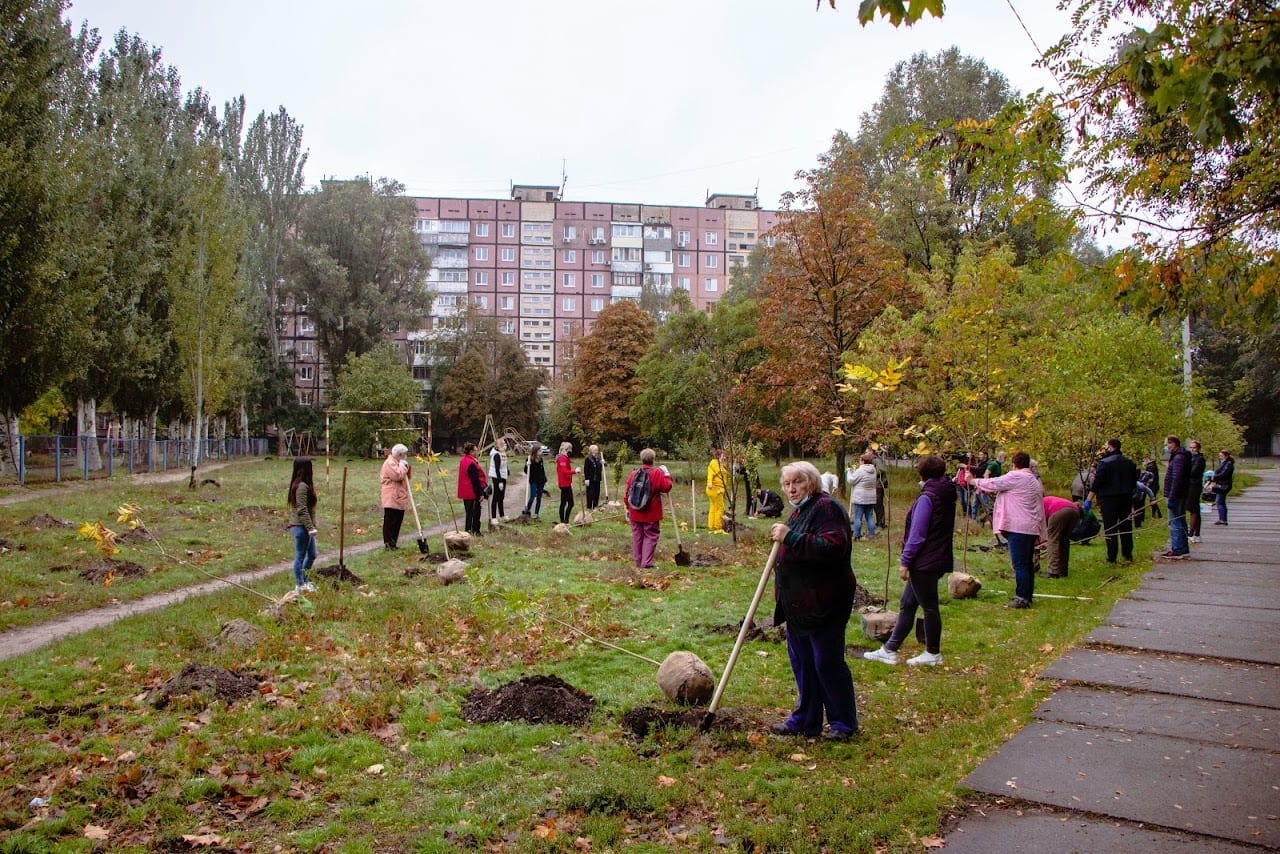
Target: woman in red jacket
(564,477)
(471,487)
(646,521)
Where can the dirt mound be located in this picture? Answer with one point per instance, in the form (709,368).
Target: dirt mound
(762,628)
(99,570)
(643,720)
(44,520)
(253,513)
(139,534)
(862,598)
(536,699)
(214,682)
(338,575)
(705,559)
(240,633)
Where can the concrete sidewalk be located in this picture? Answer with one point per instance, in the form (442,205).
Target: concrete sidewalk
(1165,732)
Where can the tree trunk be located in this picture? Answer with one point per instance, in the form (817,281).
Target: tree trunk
(8,442)
(87,432)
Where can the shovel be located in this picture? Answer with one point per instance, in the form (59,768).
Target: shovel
(682,557)
(710,717)
(342,521)
(422,538)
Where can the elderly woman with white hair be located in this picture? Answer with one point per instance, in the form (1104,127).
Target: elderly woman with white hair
(395,494)
(813,591)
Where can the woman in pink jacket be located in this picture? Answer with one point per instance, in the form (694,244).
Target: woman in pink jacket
(1019,515)
(395,494)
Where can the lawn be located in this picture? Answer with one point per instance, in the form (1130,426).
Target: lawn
(353,737)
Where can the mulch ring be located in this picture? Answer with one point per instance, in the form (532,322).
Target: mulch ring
(338,575)
(139,534)
(102,569)
(643,720)
(44,520)
(536,699)
(214,682)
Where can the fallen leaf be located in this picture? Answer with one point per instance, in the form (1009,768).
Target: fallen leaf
(93,831)
(374,770)
(202,839)
(797,757)
(665,782)
(934,842)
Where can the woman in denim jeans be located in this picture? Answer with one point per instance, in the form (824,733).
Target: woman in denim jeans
(302,523)
(1221,482)
(1019,515)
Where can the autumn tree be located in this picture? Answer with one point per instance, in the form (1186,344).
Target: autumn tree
(358,265)
(266,163)
(604,384)
(830,274)
(376,381)
(40,316)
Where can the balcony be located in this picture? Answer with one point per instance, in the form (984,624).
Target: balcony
(432,239)
(626,266)
(626,292)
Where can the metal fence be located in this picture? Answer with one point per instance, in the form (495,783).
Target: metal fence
(43,459)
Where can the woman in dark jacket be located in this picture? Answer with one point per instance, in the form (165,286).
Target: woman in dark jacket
(537,472)
(813,590)
(926,557)
(592,474)
(1221,481)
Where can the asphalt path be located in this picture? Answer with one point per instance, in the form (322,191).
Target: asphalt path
(1164,732)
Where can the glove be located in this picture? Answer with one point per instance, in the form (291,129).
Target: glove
(1088,505)
(664,470)
(313,532)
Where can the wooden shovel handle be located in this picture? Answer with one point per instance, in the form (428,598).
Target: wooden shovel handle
(746,627)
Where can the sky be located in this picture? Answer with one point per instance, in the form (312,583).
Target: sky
(656,102)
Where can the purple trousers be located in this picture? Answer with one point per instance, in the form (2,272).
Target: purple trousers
(644,542)
(823,681)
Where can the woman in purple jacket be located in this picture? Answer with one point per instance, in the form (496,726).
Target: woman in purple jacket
(926,557)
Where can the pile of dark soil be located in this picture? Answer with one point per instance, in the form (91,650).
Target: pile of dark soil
(643,720)
(536,699)
(139,534)
(414,570)
(100,569)
(213,682)
(238,633)
(762,628)
(338,575)
(705,559)
(862,597)
(44,520)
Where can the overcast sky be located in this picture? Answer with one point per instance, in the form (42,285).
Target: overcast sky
(656,101)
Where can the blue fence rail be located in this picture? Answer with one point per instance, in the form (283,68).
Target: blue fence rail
(59,458)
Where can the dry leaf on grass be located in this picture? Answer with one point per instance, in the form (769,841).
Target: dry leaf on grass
(93,831)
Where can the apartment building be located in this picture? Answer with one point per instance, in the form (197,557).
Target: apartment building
(546,268)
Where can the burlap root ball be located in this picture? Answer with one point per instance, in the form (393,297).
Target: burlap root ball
(686,679)
(459,541)
(452,571)
(962,585)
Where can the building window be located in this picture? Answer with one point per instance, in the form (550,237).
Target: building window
(682,238)
(710,238)
(570,256)
(306,398)
(711,285)
(482,301)
(569,280)
(306,325)
(597,234)
(597,256)
(626,230)
(482,229)
(682,259)
(306,373)
(712,262)
(508,277)
(508,253)
(508,229)
(570,233)
(482,277)
(509,303)
(305,349)
(684,283)
(597,280)
(507,327)
(482,253)
(597,303)
(569,304)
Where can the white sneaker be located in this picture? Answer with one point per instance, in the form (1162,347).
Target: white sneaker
(930,658)
(882,655)
(307,588)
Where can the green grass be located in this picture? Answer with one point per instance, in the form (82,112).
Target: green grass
(377,676)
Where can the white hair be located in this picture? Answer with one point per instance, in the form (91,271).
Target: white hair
(399,451)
